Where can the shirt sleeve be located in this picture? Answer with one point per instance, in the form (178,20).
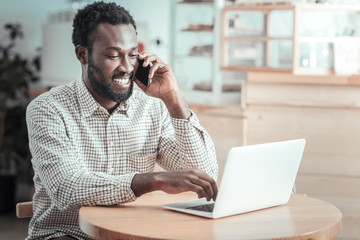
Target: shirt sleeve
(67,182)
(186,144)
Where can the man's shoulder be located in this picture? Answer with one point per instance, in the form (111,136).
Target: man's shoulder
(56,96)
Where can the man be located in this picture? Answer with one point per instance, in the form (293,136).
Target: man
(95,141)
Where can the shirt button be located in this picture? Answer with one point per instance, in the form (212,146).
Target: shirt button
(111,170)
(111,144)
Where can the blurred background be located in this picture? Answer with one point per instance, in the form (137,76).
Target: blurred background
(254,71)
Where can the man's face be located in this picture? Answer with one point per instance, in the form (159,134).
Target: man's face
(112,61)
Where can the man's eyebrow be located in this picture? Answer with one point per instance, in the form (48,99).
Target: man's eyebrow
(118,48)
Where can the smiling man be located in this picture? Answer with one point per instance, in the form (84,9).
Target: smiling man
(96,140)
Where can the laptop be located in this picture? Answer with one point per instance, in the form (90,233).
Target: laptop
(255,177)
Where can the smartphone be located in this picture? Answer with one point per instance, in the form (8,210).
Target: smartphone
(142,73)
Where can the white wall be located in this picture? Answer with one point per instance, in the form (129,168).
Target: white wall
(156,13)
(33,14)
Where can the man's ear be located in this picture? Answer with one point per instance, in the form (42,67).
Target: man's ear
(81,54)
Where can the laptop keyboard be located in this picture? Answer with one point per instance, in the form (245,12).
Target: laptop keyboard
(205,208)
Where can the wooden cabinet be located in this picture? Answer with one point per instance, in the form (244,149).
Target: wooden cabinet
(301,38)
(324,110)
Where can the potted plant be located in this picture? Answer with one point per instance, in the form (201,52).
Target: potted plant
(16,73)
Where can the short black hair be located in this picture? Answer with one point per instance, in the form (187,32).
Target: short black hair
(87,20)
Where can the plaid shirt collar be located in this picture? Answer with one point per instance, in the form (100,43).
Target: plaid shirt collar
(88,104)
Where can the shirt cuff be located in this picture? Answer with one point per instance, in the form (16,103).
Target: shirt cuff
(183,125)
(126,194)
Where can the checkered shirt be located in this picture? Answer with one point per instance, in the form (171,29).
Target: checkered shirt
(84,156)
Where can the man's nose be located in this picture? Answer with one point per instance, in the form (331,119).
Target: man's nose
(126,65)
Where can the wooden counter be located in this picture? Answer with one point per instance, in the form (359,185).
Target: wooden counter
(326,111)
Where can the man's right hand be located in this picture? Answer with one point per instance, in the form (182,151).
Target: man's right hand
(194,180)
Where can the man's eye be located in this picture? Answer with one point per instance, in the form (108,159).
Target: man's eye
(133,55)
(113,56)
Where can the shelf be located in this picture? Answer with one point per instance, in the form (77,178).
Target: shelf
(205,3)
(196,31)
(262,39)
(305,6)
(226,88)
(196,53)
(328,39)
(292,49)
(255,69)
(261,8)
(194,57)
(199,28)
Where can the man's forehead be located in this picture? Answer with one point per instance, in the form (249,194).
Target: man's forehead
(121,33)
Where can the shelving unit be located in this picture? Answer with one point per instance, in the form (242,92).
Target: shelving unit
(196,53)
(300,62)
(297,44)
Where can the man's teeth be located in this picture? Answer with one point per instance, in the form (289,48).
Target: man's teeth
(121,80)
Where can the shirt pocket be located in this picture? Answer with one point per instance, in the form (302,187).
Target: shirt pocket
(142,163)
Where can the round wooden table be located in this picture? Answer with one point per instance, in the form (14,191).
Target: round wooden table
(301,218)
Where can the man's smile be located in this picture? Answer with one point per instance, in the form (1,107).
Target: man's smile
(123,80)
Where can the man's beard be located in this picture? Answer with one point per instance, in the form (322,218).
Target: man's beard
(98,84)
